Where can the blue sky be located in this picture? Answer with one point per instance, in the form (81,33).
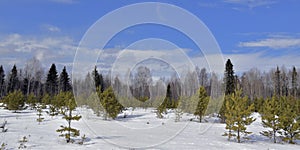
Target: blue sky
(253,33)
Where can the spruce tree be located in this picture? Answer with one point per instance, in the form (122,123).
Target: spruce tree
(229,78)
(2,82)
(64,81)
(110,104)
(271,111)
(52,81)
(238,115)
(277,82)
(13,81)
(229,81)
(68,131)
(203,100)
(169,99)
(98,79)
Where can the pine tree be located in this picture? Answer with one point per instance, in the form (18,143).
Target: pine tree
(93,101)
(52,81)
(3,146)
(31,100)
(258,104)
(14,100)
(162,108)
(178,113)
(238,115)
(2,82)
(13,81)
(52,111)
(110,104)
(69,117)
(271,111)
(59,101)
(39,114)
(46,99)
(289,123)
(64,81)
(297,105)
(203,100)
(230,117)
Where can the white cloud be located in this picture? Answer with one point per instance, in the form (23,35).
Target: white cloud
(46,49)
(275,43)
(16,49)
(251,3)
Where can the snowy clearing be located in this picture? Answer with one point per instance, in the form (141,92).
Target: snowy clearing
(140,129)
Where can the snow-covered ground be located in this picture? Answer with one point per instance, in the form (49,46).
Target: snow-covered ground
(140,129)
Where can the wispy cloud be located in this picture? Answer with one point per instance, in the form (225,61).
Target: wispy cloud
(207,4)
(51,28)
(251,3)
(274,43)
(244,62)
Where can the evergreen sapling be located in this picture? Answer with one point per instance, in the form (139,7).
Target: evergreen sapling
(68,131)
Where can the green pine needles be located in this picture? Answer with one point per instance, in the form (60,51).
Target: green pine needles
(238,115)
(39,114)
(280,115)
(68,131)
(110,104)
(203,100)
(270,118)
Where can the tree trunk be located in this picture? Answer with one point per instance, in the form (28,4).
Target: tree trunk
(238,136)
(69,129)
(28,87)
(229,136)
(291,139)
(274,134)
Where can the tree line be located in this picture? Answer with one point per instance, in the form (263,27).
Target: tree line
(274,94)
(30,80)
